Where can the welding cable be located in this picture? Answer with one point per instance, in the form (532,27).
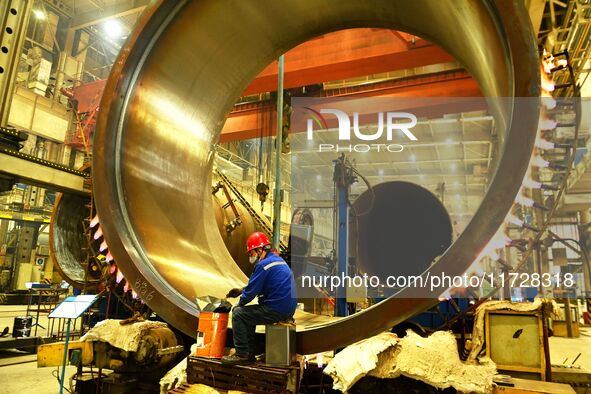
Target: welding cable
(56,374)
(370,189)
(356,214)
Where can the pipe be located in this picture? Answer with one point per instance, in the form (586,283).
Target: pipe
(178,76)
(343,179)
(278,148)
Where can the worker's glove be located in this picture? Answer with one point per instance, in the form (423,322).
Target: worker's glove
(234,293)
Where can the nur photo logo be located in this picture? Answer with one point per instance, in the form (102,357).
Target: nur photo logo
(389,125)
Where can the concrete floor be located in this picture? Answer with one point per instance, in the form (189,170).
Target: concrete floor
(19,372)
(9,312)
(18,369)
(569,348)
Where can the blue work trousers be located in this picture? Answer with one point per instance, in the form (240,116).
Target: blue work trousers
(244,322)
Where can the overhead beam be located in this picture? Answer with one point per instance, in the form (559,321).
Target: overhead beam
(23,217)
(39,175)
(91,18)
(348,54)
(245,121)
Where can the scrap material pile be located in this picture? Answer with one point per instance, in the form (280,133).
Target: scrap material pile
(433,360)
(127,337)
(132,345)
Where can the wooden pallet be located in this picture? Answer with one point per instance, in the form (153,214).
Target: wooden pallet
(255,378)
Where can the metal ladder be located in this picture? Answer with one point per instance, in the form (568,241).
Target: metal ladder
(256,217)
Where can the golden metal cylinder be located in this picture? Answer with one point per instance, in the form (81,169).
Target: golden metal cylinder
(178,77)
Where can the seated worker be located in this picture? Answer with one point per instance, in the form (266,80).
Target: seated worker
(272,281)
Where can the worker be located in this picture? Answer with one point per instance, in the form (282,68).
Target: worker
(273,282)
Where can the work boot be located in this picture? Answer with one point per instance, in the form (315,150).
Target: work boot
(238,359)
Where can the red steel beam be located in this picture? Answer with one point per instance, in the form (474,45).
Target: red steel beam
(245,121)
(348,54)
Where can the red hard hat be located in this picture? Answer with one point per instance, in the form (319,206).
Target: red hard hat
(257,240)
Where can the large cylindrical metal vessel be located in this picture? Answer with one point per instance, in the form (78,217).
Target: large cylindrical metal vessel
(398,228)
(177,78)
(68,241)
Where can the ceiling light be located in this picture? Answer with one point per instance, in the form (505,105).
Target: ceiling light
(381,172)
(113,28)
(413,157)
(456,183)
(449,141)
(453,166)
(39,14)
